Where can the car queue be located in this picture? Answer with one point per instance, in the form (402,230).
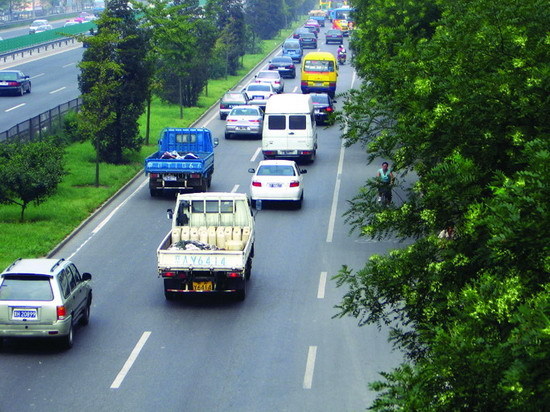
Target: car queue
(279,128)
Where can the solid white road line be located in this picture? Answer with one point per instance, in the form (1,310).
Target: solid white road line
(322,285)
(104,222)
(57,90)
(130,361)
(310,366)
(15,107)
(256,154)
(235,188)
(332,220)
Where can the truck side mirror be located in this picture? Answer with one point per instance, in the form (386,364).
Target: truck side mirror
(169,214)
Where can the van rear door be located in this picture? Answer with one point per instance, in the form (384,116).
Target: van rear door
(288,133)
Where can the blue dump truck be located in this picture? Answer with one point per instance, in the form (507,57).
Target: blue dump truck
(184,161)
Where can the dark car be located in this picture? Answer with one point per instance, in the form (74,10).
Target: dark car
(299,31)
(15,82)
(323,106)
(285,66)
(334,36)
(308,41)
(230,100)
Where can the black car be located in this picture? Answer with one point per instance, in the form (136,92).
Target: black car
(285,66)
(15,82)
(308,41)
(334,36)
(323,106)
(299,31)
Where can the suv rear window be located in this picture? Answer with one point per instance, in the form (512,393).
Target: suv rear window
(26,288)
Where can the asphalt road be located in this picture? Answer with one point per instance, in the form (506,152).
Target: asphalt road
(279,350)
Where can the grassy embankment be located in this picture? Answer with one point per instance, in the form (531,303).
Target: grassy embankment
(77,197)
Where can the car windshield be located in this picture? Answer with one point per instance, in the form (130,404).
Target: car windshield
(259,88)
(244,112)
(276,170)
(319,98)
(337,32)
(8,76)
(26,288)
(268,75)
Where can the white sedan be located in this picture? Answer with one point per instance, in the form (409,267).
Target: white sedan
(277,180)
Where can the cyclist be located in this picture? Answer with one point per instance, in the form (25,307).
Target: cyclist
(385,178)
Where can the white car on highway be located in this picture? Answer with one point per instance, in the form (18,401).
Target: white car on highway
(277,180)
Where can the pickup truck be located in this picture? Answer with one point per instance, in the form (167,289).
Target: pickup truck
(184,161)
(210,247)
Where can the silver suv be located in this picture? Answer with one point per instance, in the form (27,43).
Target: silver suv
(43,298)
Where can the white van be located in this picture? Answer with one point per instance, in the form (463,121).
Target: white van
(289,129)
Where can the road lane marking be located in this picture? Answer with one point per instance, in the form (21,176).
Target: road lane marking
(130,361)
(69,65)
(322,285)
(256,153)
(295,89)
(310,366)
(235,188)
(37,76)
(15,107)
(58,90)
(104,222)
(332,220)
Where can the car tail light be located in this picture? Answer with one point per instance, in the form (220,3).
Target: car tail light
(223,106)
(270,152)
(290,67)
(233,275)
(61,312)
(277,82)
(256,183)
(231,120)
(195,175)
(254,121)
(303,83)
(329,109)
(271,67)
(294,183)
(13,83)
(332,84)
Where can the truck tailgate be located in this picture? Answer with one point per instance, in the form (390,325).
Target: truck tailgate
(201,259)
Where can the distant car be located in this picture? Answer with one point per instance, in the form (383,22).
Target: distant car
(71,23)
(323,106)
(14,82)
(313,24)
(244,121)
(334,36)
(43,28)
(273,77)
(230,100)
(37,23)
(299,31)
(308,41)
(284,65)
(44,298)
(277,180)
(258,93)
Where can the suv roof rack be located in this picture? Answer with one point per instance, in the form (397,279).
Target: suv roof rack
(13,264)
(57,264)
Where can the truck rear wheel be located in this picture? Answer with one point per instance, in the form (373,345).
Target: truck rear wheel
(240,295)
(248,269)
(169,295)
(154,192)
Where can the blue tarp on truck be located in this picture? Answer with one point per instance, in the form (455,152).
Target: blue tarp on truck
(184,161)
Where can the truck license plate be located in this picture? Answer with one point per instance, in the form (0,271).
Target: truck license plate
(169,178)
(202,286)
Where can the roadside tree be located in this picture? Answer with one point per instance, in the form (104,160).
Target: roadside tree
(114,82)
(30,172)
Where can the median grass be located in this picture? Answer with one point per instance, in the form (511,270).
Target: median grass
(47,224)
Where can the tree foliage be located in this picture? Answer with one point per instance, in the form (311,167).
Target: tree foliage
(114,82)
(456,92)
(182,41)
(266,17)
(30,172)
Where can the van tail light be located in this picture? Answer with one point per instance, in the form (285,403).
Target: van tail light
(294,183)
(61,312)
(329,109)
(303,83)
(256,183)
(223,106)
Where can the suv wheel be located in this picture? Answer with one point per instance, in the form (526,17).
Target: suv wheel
(86,315)
(67,341)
